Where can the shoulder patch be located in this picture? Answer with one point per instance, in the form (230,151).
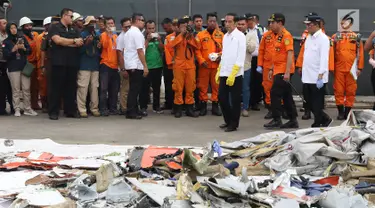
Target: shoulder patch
(287,42)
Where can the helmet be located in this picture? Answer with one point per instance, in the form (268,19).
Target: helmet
(77,16)
(47,21)
(25,21)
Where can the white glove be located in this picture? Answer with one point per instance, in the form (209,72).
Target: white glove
(213,56)
(260,69)
(372,62)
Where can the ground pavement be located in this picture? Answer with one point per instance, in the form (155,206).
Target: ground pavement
(155,129)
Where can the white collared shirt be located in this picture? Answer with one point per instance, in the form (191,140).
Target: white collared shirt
(234,51)
(133,40)
(120,42)
(315,58)
(255,31)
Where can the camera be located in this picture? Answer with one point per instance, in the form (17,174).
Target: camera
(189,29)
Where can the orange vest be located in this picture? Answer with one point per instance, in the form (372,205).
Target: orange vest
(184,57)
(109,52)
(209,44)
(266,50)
(32,58)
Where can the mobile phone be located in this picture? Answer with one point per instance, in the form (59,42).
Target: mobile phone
(154,35)
(20,41)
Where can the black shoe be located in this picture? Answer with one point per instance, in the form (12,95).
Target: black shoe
(166,107)
(190,112)
(223,126)
(122,113)
(53,117)
(158,111)
(269,115)
(301,110)
(347,111)
(203,109)
(72,115)
(274,124)
(307,115)
(292,124)
(255,107)
(143,112)
(177,111)
(135,117)
(315,125)
(341,110)
(4,113)
(114,112)
(327,122)
(216,111)
(104,113)
(285,116)
(230,129)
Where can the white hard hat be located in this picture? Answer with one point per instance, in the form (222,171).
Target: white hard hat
(47,21)
(77,16)
(25,21)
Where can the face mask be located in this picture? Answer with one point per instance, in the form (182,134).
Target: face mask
(113,29)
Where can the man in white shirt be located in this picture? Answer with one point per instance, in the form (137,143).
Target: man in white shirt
(124,86)
(315,69)
(256,79)
(135,63)
(230,73)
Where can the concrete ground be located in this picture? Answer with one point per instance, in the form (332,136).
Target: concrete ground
(155,129)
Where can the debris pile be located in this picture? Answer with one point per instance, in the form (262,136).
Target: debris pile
(315,167)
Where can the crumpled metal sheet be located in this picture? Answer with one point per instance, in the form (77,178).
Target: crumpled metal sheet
(260,139)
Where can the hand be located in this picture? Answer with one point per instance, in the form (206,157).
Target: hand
(145,72)
(319,83)
(89,39)
(270,75)
(358,72)
(260,69)
(218,59)
(21,46)
(79,41)
(217,76)
(300,71)
(286,77)
(99,45)
(124,74)
(372,62)
(205,64)
(149,37)
(43,70)
(15,48)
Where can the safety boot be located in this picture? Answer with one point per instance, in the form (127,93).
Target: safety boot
(347,111)
(216,109)
(307,115)
(190,111)
(203,109)
(275,123)
(341,115)
(291,124)
(177,111)
(269,113)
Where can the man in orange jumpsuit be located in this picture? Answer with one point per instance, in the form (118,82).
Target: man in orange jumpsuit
(211,42)
(184,46)
(42,78)
(27,25)
(299,63)
(266,49)
(349,62)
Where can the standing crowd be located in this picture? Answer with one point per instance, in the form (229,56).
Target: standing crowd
(81,65)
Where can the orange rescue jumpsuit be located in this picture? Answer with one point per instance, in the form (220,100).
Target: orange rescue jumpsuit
(169,52)
(209,44)
(346,51)
(41,77)
(32,58)
(184,68)
(266,49)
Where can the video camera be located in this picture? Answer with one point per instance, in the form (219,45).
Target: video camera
(189,29)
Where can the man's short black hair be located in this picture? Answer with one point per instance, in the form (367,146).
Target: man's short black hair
(150,22)
(109,18)
(211,14)
(123,20)
(65,11)
(241,18)
(256,17)
(197,16)
(166,21)
(233,15)
(182,21)
(135,15)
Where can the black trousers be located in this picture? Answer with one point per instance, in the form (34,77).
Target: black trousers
(5,88)
(62,84)
(135,87)
(153,79)
(282,90)
(169,94)
(306,97)
(230,101)
(315,102)
(256,87)
(109,88)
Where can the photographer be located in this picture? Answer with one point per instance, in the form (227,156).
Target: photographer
(88,74)
(184,68)
(15,51)
(154,48)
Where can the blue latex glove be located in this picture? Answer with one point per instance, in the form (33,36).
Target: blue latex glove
(216,147)
(319,83)
(260,69)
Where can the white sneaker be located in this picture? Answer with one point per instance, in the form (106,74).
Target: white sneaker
(245,113)
(30,112)
(17,113)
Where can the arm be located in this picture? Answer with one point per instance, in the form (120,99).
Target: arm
(198,53)
(168,56)
(241,51)
(289,62)
(324,57)
(300,58)
(368,44)
(288,42)
(251,42)
(361,58)
(193,42)
(161,45)
(104,40)
(331,66)
(141,55)
(176,41)
(62,41)
(9,50)
(262,47)
(120,57)
(28,50)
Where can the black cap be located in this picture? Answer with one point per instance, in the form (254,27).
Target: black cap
(187,17)
(312,14)
(276,17)
(312,17)
(249,16)
(56,18)
(182,21)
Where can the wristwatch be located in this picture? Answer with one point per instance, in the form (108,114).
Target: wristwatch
(74,41)
(122,70)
